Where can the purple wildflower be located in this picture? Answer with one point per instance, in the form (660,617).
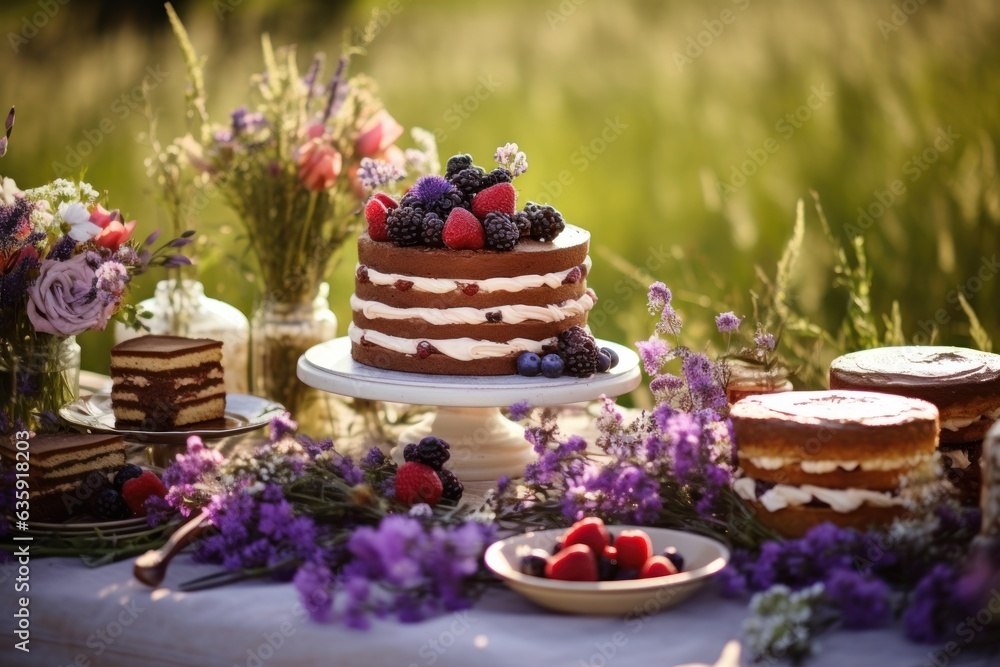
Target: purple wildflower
(764,341)
(429,189)
(111,279)
(934,610)
(63,249)
(375,174)
(188,471)
(281,426)
(245,121)
(314,582)
(704,383)
(374,458)
(158,510)
(503,484)
(654,353)
(863,601)
(658,297)
(727,322)
(620,493)
(520,410)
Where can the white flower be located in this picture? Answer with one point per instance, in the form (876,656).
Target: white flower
(9,190)
(78,218)
(41,216)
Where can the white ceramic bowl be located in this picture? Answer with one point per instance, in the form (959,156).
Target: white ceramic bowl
(703,557)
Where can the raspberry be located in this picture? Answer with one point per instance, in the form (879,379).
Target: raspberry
(453,489)
(433,452)
(471,289)
(433,227)
(546,222)
(501,197)
(404,225)
(418,483)
(109,505)
(130,471)
(136,491)
(578,349)
(574,276)
(425,349)
(361,275)
(501,233)
(457,163)
(403,285)
(462,231)
(523,223)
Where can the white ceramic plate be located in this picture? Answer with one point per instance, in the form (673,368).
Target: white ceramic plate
(703,558)
(244,413)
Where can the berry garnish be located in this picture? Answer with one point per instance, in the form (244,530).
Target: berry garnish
(376,213)
(612,354)
(603,362)
(590,532)
(410,452)
(432,232)
(457,163)
(403,285)
(452,487)
(108,504)
(573,563)
(136,491)
(494,317)
(433,452)
(386,200)
(634,548)
(552,366)
(471,289)
(546,222)
(425,349)
(463,231)
(361,275)
(405,226)
(501,232)
(578,349)
(130,471)
(501,197)
(657,566)
(574,276)
(418,483)
(523,224)
(533,564)
(529,364)
(671,554)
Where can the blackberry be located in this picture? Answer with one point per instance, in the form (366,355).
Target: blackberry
(457,163)
(468,182)
(578,349)
(110,505)
(444,204)
(405,225)
(501,232)
(432,452)
(409,199)
(546,222)
(523,223)
(433,227)
(91,486)
(498,175)
(410,453)
(130,471)
(453,489)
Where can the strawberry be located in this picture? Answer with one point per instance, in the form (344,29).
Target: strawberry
(462,231)
(136,490)
(574,563)
(634,548)
(418,483)
(657,566)
(376,214)
(500,197)
(389,202)
(590,532)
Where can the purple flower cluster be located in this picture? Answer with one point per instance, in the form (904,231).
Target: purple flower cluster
(935,607)
(728,322)
(375,174)
(659,298)
(520,410)
(400,566)
(185,478)
(863,600)
(624,493)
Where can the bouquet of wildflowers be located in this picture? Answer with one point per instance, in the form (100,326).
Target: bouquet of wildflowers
(66,263)
(297,509)
(296,162)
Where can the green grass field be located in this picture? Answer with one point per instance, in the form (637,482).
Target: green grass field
(681,134)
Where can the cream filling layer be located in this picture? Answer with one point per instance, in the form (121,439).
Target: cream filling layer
(512,314)
(821,467)
(463,349)
(959,423)
(445,285)
(840,500)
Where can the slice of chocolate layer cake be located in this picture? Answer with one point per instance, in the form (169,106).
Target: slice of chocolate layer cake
(164,382)
(56,465)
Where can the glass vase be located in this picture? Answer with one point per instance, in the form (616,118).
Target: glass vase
(38,376)
(186,311)
(281,331)
(747,379)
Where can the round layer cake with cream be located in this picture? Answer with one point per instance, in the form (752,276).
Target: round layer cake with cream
(467,312)
(847,457)
(964,384)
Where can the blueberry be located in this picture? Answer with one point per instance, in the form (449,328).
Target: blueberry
(607,569)
(534,563)
(552,365)
(529,364)
(623,574)
(674,557)
(611,355)
(130,471)
(603,362)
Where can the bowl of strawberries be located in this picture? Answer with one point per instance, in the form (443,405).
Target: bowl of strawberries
(592,568)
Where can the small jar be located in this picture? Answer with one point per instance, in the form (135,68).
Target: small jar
(746,379)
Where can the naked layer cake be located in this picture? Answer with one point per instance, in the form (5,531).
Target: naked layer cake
(453,280)
(847,457)
(165,382)
(58,463)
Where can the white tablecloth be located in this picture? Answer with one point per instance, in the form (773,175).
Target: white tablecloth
(102,617)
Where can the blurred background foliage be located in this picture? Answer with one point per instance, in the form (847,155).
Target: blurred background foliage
(681,134)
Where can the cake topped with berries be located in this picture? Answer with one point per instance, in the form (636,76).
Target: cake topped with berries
(453,279)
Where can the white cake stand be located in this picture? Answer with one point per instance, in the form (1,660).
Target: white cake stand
(484,444)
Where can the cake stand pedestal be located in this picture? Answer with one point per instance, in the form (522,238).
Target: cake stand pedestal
(485,445)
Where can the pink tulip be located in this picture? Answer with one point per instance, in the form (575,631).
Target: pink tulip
(115,234)
(319,165)
(103,217)
(315,130)
(379,133)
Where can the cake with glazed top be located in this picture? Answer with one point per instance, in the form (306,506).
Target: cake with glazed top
(847,457)
(453,280)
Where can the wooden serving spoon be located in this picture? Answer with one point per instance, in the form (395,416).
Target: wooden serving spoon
(151,567)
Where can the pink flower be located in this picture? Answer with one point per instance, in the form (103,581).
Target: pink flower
(113,231)
(379,133)
(319,165)
(61,302)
